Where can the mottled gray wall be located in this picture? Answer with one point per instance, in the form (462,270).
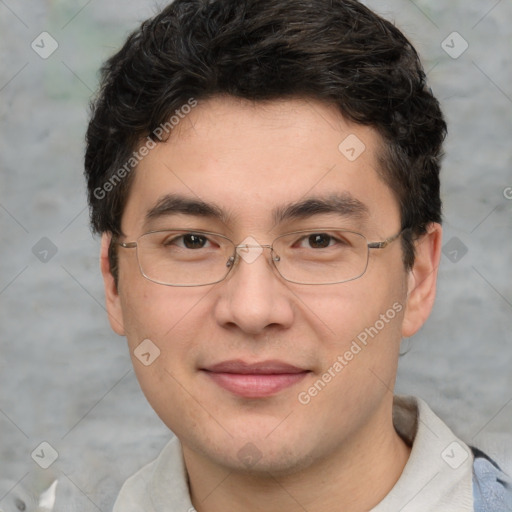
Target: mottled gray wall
(66,379)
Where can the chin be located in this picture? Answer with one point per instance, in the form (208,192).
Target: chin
(258,459)
(259,449)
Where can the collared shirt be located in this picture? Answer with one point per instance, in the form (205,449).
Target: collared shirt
(441,475)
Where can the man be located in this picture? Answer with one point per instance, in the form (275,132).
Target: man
(265,177)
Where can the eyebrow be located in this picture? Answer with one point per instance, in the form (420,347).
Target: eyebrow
(343,204)
(174,204)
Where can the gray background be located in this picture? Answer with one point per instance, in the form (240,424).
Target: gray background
(66,379)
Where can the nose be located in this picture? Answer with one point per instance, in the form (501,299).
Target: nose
(254,296)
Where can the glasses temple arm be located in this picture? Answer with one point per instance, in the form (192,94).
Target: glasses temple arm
(385,243)
(128,245)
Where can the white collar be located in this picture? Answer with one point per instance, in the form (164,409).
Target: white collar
(439,473)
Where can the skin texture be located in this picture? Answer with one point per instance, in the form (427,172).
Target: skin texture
(339,451)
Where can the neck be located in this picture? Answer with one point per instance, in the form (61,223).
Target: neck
(354,478)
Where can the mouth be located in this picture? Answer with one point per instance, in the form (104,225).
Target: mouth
(254,380)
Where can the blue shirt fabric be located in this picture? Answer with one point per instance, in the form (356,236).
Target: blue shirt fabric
(492,488)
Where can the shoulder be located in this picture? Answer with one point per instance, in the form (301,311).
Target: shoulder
(496,447)
(492,482)
(134,495)
(160,485)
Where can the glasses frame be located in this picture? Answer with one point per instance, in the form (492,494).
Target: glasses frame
(235,257)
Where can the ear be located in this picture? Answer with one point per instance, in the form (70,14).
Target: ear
(112,299)
(422,280)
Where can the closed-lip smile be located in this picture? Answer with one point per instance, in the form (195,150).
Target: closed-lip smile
(255,380)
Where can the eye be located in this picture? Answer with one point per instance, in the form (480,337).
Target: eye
(318,241)
(187,241)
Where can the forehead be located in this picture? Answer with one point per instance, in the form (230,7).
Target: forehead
(253,161)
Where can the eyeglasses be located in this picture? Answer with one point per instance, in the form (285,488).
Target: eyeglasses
(184,257)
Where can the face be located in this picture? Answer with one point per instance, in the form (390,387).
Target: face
(256,372)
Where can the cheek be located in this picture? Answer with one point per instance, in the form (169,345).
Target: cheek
(176,320)
(359,354)
(361,334)
(159,312)
(159,321)
(344,311)
(173,320)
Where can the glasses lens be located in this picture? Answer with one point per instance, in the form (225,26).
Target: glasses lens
(321,256)
(184,258)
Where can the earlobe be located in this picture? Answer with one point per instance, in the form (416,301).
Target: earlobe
(112,299)
(422,279)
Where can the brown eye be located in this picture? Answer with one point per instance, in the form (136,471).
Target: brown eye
(192,241)
(186,241)
(319,240)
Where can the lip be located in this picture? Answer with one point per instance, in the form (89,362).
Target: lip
(255,380)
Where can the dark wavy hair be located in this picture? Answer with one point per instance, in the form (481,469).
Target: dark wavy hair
(335,51)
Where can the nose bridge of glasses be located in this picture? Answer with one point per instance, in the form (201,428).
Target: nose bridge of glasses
(252,246)
(250,252)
